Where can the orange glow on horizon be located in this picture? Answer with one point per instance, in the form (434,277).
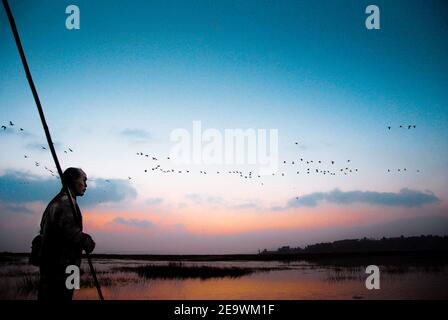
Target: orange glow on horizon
(221,221)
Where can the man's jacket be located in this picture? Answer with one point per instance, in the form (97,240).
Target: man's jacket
(62,236)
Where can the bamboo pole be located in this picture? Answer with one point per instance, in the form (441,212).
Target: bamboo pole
(47,132)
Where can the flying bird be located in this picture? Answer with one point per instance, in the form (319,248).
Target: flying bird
(10,123)
(4,127)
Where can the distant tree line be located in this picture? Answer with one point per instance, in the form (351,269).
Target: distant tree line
(421,243)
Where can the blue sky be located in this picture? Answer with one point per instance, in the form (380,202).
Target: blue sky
(137,70)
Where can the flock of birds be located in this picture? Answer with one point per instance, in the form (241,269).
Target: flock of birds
(326,168)
(249,174)
(11,124)
(52,172)
(402,127)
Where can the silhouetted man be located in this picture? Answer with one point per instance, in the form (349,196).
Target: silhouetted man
(62,238)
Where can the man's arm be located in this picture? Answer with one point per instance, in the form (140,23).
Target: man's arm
(70,230)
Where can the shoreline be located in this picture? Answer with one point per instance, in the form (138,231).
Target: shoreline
(388,255)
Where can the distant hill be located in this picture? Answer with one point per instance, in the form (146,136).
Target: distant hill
(401,244)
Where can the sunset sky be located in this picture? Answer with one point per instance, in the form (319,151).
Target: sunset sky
(136,71)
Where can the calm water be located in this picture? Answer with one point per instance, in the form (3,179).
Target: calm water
(273,280)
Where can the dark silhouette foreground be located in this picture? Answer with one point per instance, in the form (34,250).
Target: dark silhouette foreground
(62,239)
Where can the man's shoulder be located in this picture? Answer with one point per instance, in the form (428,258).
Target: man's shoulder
(59,201)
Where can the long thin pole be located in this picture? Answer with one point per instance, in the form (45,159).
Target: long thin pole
(44,124)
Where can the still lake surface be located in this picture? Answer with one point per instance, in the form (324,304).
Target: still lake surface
(269,280)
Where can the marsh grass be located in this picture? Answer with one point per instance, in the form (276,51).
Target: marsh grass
(353,272)
(338,274)
(109,279)
(28,284)
(18,280)
(177,270)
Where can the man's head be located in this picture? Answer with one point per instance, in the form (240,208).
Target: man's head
(76,180)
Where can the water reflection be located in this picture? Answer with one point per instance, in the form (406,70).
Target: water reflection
(269,280)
